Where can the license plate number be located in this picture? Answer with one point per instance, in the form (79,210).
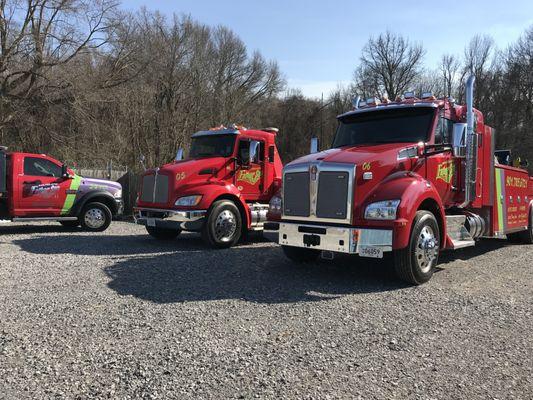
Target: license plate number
(372,252)
(150,222)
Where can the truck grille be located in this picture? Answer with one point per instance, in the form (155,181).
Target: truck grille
(296,194)
(154,189)
(322,195)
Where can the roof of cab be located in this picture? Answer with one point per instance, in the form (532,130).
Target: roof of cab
(217,132)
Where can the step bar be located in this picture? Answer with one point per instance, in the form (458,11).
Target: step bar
(38,219)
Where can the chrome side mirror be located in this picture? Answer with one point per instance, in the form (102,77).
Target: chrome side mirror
(315,145)
(179,155)
(459,140)
(254,150)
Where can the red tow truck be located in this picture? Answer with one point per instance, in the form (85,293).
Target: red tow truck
(222,189)
(410,177)
(37,187)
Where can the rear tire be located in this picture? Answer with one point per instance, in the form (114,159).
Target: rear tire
(415,264)
(70,224)
(300,254)
(95,217)
(223,227)
(163,233)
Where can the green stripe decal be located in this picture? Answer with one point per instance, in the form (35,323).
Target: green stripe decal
(69,200)
(499,200)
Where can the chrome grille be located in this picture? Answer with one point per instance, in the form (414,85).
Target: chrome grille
(321,192)
(154,188)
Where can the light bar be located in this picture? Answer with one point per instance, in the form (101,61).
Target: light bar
(373,101)
(427,95)
(409,95)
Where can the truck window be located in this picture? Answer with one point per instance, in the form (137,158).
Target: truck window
(244,149)
(40,167)
(409,125)
(212,146)
(443,133)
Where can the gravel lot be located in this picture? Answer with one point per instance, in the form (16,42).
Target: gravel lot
(121,315)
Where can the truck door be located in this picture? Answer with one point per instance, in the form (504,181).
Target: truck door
(249,179)
(41,188)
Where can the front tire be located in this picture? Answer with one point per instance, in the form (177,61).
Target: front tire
(415,264)
(223,227)
(300,254)
(162,233)
(95,217)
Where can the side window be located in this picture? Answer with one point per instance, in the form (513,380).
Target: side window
(271,151)
(443,133)
(40,167)
(244,150)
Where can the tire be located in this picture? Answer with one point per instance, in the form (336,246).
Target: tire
(223,227)
(300,254)
(70,224)
(413,264)
(95,217)
(162,233)
(526,236)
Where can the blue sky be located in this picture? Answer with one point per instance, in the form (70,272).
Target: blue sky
(317,43)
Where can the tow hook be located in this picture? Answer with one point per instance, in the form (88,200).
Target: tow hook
(327,255)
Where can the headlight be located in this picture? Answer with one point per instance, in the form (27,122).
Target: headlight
(118,194)
(188,200)
(275,204)
(382,210)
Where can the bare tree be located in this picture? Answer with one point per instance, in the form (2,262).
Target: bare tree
(389,64)
(449,69)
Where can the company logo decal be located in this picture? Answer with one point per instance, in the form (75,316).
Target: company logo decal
(251,177)
(445,171)
(367,166)
(180,176)
(46,190)
(513,181)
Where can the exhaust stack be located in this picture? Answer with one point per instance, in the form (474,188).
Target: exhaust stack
(471,144)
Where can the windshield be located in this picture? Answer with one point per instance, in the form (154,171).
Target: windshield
(385,126)
(212,146)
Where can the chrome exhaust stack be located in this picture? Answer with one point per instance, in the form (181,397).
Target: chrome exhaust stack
(471,145)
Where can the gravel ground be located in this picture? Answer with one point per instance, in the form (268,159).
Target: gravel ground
(121,315)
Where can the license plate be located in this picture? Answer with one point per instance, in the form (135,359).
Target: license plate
(372,252)
(150,222)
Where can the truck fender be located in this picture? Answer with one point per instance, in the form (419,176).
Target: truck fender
(212,193)
(95,195)
(415,193)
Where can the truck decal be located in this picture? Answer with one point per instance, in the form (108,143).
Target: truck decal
(500,199)
(445,171)
(71,196)
(251,177)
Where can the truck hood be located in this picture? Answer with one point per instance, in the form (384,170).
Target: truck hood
(376,154)
(88,184)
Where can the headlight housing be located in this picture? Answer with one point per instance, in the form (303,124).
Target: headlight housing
(118,194)
(275,204)
(382,210)
(188,201)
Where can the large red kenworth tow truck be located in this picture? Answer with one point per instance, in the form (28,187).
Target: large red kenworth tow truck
(222,189)
(37,187)
(411,177)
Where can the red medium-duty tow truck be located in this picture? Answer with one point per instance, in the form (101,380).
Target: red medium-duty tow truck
(412,177)
(221,190)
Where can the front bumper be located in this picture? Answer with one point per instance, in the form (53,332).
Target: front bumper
(189,220)
(120,207)
(329,238)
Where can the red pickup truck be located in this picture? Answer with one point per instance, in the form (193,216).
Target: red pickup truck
(36,187)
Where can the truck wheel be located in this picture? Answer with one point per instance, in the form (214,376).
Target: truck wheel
(223,226)
(523,236)
(299,254)
(162,233)
(95,217)
(70,224)
(415,263)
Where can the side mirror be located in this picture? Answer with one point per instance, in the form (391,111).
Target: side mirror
(524,163)
(254,150)
(315,145)
(179,155)
(459,140)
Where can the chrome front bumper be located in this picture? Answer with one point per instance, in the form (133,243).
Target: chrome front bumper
(330,238)
(190,220)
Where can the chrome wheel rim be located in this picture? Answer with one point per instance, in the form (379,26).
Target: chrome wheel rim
(94,218)
(225,226)
(426,249)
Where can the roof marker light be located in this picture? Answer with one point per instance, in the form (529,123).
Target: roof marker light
(373,101)
(409,95)
(427,95)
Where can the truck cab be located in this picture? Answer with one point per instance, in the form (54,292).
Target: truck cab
(222,189)
(410,177)
(37,187)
